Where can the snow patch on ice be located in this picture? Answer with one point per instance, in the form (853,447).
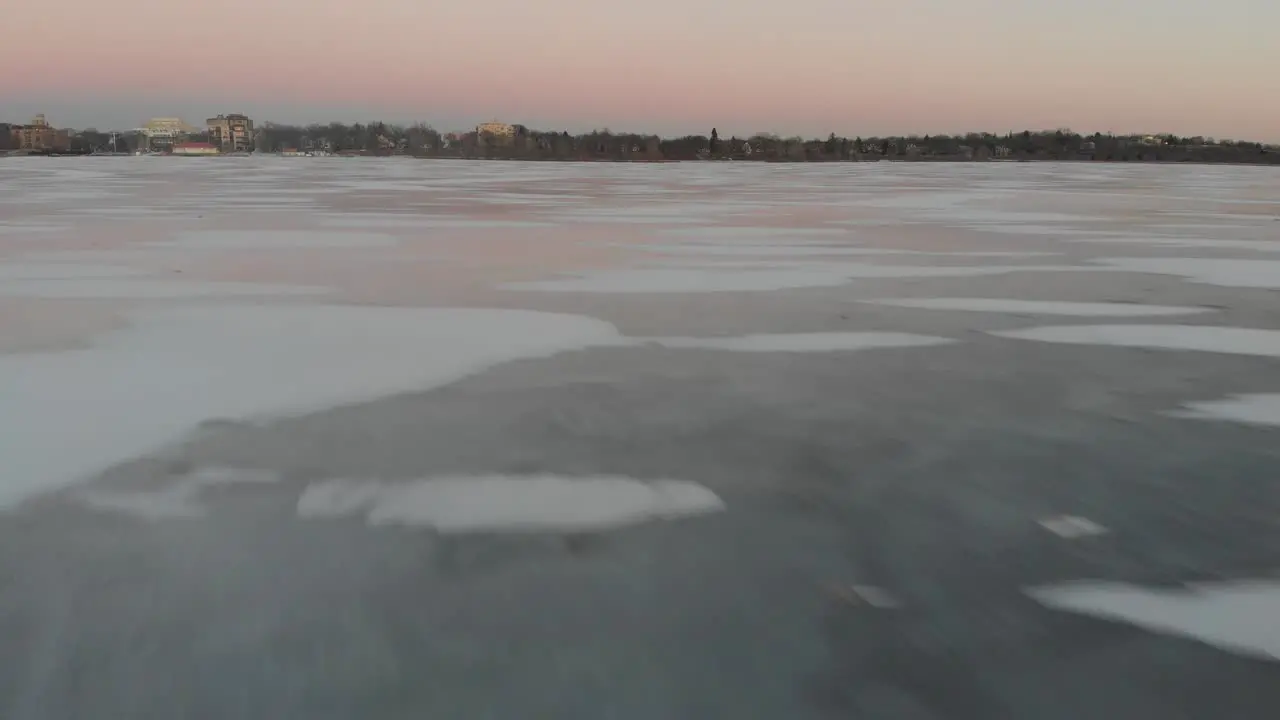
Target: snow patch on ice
(504,503)
(172,368)
(1072,527)
(1237,616)
(1252,409)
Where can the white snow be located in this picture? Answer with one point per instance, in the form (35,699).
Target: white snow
(1240,616)
(803,342)
(505,503)
(1252,409)
(70,414)
(1205,338)
(1072,527)
(1040,307)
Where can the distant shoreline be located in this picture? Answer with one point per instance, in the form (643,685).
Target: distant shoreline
(1270,160)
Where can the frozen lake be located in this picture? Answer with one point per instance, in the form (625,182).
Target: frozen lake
(379,438)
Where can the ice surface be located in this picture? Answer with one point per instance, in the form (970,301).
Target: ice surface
(1241,616)
(1210,271)
(685,280)
(1206,338)
(277,239)
(1040,307)
(1016,228)
(25,228)
(1198,243)
(1253,409)
(144,289)
(63,271)
(504,503)
(818,250)
(870,271)
(730,232)
(431,223)
(69,414)
(121,211)
(804,342)
(628,217)
(177,499)
(746,276)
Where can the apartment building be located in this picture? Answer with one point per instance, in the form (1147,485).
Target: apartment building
(231,133)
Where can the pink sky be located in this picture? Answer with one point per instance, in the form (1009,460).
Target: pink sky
(803,66)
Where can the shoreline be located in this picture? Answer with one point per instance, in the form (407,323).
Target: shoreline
(771,161)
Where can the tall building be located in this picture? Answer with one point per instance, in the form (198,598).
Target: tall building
(38,135)
(231,133)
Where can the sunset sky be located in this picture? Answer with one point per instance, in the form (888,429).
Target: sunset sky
(854,67)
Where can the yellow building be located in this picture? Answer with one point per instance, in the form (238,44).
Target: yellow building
(496,129)
(163,133)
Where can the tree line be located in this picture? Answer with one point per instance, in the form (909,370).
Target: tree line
(605,145)
(422,140)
